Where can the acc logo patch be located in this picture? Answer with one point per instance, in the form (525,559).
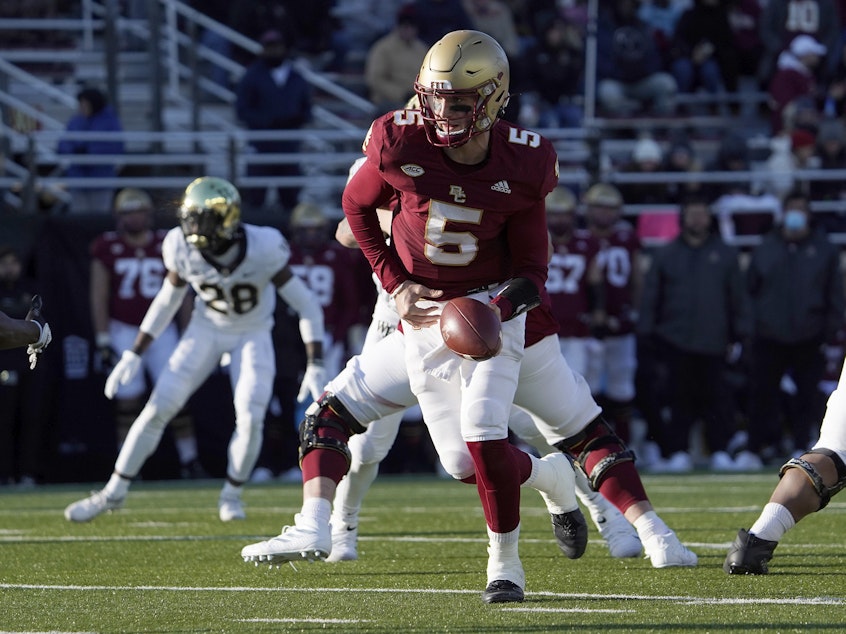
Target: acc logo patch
(410,169)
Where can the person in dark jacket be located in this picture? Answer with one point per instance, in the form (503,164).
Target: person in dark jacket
(796,287)
(94,115)
(629,66)
(694,309)
(273,95)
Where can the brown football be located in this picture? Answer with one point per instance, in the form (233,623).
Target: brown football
(471,329)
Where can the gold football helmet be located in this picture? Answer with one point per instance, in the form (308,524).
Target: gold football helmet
(560,201)
(308,215)
(603,195)
(131,199)
(210,215)
(463,65)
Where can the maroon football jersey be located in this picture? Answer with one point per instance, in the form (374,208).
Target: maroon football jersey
(459,227)
(567,283)
(332,275)
(136,273)
(540,322)
(616,258)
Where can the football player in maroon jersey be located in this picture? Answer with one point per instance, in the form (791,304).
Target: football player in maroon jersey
(471,223)
(611,367)
(126,273)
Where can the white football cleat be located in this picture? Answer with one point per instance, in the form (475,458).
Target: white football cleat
(666,551)
(344,542)
(230,508)
(305,540)
(95,504)
(619,535)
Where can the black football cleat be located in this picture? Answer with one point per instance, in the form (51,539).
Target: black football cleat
(571,532)
(749,555)
(502,591)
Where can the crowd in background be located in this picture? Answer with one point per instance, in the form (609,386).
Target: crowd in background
(761,381)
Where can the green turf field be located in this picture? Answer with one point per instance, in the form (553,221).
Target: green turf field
(165,563)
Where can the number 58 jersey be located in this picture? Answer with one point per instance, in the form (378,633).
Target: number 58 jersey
(238,297)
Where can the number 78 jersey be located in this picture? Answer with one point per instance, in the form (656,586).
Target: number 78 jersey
(239,297)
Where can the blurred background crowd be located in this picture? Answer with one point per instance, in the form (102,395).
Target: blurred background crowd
(703,191)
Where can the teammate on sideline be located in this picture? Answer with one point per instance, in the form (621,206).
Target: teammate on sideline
(33,332)
(236,270)
(450,162)
(126,273)
(806,485)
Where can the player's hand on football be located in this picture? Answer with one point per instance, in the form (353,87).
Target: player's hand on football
(406,297)
(124,372)
(313,383)
(45,336)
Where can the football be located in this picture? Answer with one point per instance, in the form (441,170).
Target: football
(471,329)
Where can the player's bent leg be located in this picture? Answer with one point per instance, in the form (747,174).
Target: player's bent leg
(367,450)
(610,468)
(806,485)
(619,535)
(324,457)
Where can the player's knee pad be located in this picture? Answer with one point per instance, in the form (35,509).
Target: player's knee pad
(813,475)
(597,450)
(328,425)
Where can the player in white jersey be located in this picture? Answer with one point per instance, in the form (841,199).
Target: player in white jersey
(236,271)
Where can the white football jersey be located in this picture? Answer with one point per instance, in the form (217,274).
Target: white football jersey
(239,298)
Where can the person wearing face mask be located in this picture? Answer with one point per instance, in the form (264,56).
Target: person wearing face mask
(273,95)
(693,311)
(795,283)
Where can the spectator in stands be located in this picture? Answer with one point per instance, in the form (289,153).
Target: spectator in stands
(694,308)
(789,153)
(681,157)
(796,287)
(784,20)
(273,95)
(362,22)
(629,67)
(702,52)
(744,17)
(835,83)
(95,115)
(436,18)
(24,407)
(831,152)
(740,206)
(662,17)
(393,63)
(550,77)
(495,18)
(646,159)
(794,79)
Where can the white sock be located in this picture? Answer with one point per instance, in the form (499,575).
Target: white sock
(117,487)
(650,524)
(544,478)
(318,510)
(350,493)
(504,557)
(229,490)
(775,520)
